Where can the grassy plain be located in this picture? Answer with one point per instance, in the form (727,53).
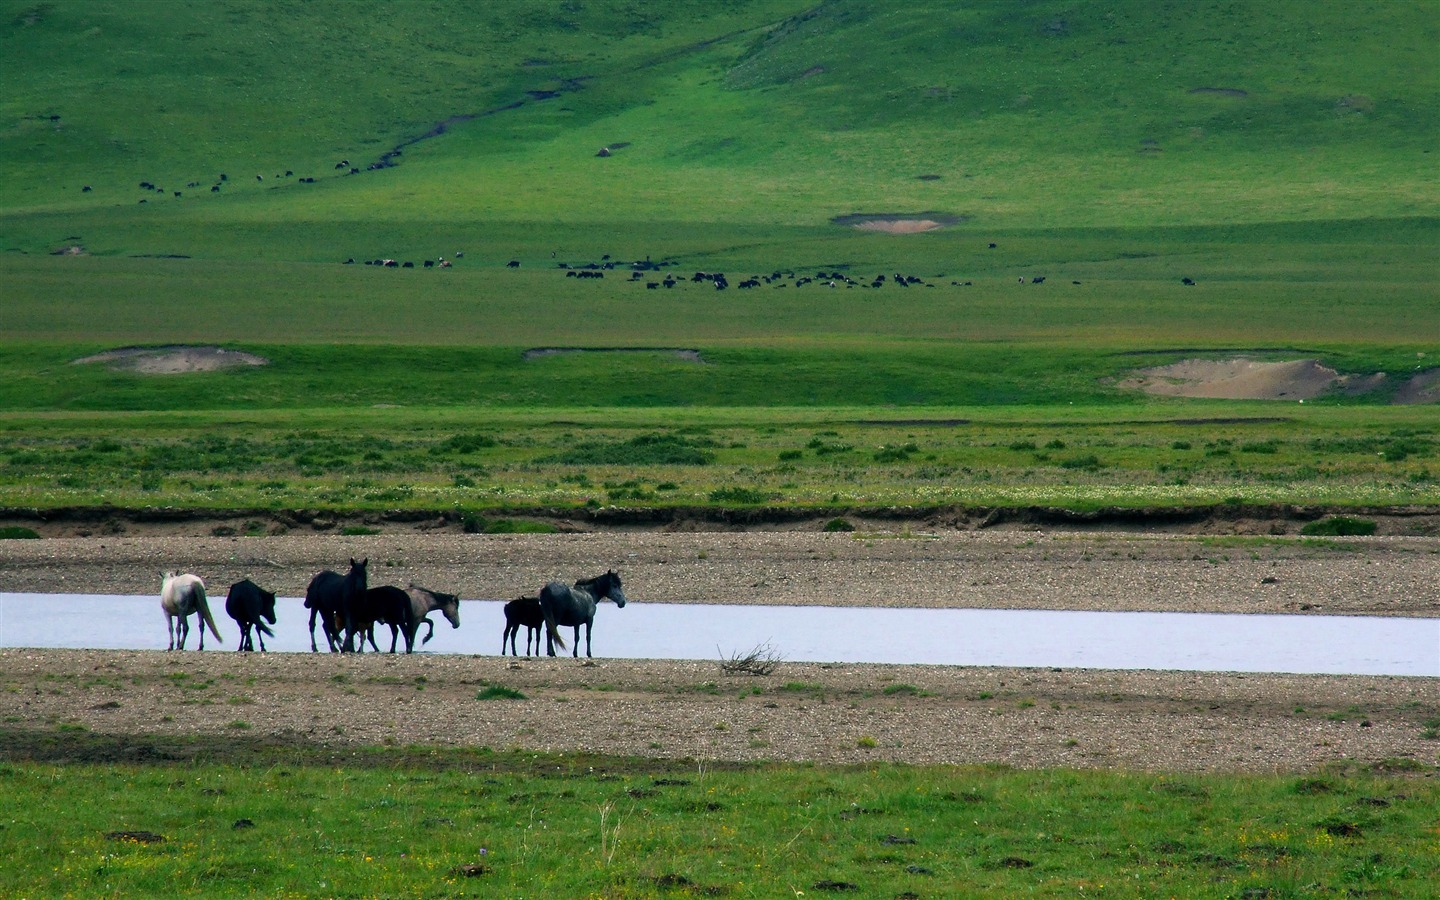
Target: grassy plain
(1268,152)
(419,822)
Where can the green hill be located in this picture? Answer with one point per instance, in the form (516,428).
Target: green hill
(742,114)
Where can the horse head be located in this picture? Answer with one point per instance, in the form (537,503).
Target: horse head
(357,573)
(449,607)
(612,588)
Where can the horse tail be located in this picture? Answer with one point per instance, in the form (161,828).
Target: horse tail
(202,604)
(550,630)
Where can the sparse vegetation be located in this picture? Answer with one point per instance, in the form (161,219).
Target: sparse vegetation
(761,659)
(1339,526)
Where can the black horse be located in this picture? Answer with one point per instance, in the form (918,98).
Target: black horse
(330,596)
(522,611)
(248,603)
(381,606)
(562,605)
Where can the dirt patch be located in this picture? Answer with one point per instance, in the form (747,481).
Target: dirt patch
(679,352)
(1238,379)
(1423,387)
(898,223)
(175,360)
(129,706)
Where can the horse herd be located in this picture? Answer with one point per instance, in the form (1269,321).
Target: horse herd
(348,611)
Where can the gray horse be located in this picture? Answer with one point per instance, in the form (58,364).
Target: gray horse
(423,602)
(182,596)
(563,605)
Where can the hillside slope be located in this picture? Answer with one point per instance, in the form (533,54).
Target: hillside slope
(755,113)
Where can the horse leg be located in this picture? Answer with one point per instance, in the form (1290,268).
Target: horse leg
(314,611)
(183,630)
(170,630)
(576,654)
(200,620)
(532,631)
(587,640)
(260,636)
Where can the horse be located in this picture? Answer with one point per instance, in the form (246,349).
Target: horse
(181,596)
(522,611)
(423,602)
(575,606)
(380,606)
(248,603)
(330,596)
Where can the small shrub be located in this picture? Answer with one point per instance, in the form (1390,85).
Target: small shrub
(895,454)
(788,455)
(498,692)
(737,495)
(464,443)
(838,525)
(760,660)
(909,690)
(358,530)
(518,526)
(866,742)
(17,532)
(1339,526)
(1023,446)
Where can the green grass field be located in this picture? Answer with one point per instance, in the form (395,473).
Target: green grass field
(422,823)
(1278,155)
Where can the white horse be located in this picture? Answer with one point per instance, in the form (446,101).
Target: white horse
(180,597)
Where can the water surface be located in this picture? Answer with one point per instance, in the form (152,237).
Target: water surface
(1341,645)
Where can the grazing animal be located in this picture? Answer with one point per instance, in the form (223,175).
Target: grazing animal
(380,606)
(522,611)
(331,596)
(423,602)
(575,606)
(248,603)
(180,597)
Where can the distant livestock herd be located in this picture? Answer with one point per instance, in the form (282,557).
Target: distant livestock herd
(594,270)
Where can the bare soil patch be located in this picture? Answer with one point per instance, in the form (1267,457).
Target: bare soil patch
(1247,379)
(898,223)
(173,360)
(686,354)
(1423,387)
(847,714)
